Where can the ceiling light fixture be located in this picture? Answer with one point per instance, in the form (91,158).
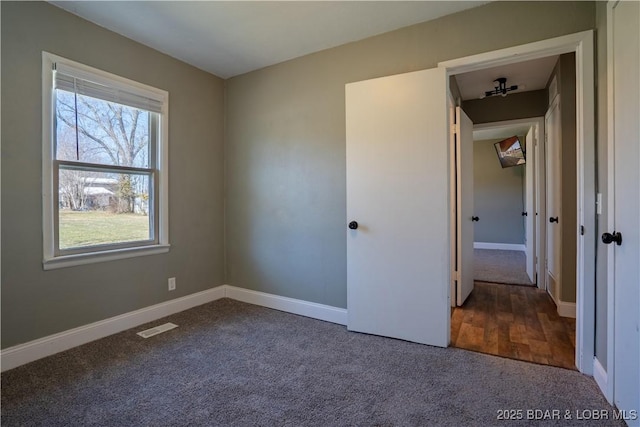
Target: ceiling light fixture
(500,88)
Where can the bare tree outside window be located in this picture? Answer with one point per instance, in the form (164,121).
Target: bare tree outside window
(105,185)
(95,131)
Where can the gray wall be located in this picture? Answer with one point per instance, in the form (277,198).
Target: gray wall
(36,303)
(601,138)
(285,139)
(515,106)
(498,196)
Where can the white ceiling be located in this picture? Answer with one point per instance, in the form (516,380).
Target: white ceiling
(228,38)
(528,75)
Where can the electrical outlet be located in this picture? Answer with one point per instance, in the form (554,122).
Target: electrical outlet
(172,283)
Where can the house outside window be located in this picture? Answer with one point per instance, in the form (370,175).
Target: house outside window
(105,183)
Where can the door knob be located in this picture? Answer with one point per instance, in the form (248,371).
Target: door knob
(475,218)
(353,225)
(610,238)
(553,219)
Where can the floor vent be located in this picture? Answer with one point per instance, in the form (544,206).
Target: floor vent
(157,330)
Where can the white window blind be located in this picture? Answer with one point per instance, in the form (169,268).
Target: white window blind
(71,79)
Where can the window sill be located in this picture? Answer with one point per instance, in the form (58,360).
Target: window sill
(94,257)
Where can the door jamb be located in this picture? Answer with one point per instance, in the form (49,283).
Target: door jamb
(555,294)
(607,387)
(453,229)
(582,44)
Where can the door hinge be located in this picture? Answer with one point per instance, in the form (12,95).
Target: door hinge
(582,230)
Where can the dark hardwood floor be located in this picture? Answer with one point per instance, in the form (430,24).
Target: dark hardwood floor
(518,322)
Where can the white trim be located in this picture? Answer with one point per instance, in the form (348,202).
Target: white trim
(453,196)
(24,353)
(21,354)
(289,305)
(93,257)
(610,207)
(500,246)
(47,156)
(162,170)
(582,44)
(567,309)
(564,309)
(601,377)
(510,55)
(510,123)
(586,204)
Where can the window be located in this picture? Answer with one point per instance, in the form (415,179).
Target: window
(104,165)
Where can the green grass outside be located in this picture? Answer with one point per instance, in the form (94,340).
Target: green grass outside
(98,228)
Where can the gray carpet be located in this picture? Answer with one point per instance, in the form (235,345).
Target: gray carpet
(498,266)
(234,364)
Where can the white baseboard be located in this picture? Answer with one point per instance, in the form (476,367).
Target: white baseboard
(601,377)
(24,353)
(565,309)
(21,354)
(500,246)
(290,305)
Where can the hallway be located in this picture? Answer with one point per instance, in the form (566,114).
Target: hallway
(518,322)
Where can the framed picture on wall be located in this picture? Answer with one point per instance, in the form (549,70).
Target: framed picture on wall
(510,152)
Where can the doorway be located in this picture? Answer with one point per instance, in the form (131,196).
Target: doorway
(582,45)
(399,197)
(508,207)
(509,203)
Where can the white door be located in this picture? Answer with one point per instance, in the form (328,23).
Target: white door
(529,208)
(554,196)
(398,258)
(464,206)
(540,220)
(626,140)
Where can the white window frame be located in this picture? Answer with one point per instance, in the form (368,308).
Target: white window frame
(52,259)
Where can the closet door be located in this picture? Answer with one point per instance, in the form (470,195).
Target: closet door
(626,212)
(530,210)
(464,206)
(552,127)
